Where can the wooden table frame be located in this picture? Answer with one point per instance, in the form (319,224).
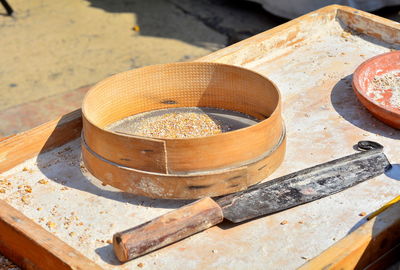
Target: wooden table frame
(30,246)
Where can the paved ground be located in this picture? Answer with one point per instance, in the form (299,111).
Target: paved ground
(51,50)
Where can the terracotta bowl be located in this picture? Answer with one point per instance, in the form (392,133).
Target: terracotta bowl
(378,101)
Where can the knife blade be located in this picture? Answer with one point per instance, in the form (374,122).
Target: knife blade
(272,196)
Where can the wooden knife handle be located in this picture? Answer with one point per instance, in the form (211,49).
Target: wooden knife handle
(167,229)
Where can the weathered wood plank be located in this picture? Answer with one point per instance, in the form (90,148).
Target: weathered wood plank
(363,246)
(20,147)
(32,247)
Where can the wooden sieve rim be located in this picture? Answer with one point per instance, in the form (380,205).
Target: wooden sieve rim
(177,85)
(194,173)
(238,131)
(182,187)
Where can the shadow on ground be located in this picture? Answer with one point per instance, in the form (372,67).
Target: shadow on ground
(235,19)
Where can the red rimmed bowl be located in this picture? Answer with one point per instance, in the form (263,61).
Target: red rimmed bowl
(382,102)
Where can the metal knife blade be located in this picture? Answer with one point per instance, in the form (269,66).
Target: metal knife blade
(306,185)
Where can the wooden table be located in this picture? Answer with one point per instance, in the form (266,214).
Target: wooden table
(311,60)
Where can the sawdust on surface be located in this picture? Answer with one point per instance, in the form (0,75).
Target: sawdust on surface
(386,85)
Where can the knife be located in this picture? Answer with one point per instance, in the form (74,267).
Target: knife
(272,196)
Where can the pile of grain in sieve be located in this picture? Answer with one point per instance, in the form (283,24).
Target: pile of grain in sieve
(179,125)
(382,85)
(188,122)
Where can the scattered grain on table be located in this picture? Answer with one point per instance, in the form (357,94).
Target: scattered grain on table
(43,181)
(5,183)
(25,199)
(28,189)
(345,34)
(6,264)
(51,224)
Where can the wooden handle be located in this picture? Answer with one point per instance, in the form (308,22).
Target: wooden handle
(167,229)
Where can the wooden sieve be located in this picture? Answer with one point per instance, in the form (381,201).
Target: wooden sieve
(191,167)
